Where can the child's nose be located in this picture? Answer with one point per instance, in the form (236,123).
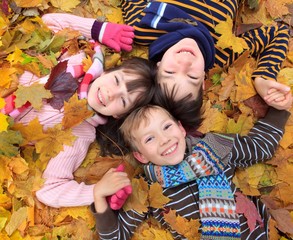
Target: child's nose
(115,93)
(164,139)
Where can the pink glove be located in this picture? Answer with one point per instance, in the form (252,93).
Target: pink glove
(117,200)
(116,36)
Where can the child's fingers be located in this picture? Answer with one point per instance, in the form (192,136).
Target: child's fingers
(275,96)
(276,86)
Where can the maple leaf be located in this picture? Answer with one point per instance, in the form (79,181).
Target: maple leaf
(138,199)
(75,112)
(28,3)
(228,39)
(32,132)
(185,227)
(34,94)
(247,207)
(283,219)
(65,5)
(156,197)
(6,78)
(258,106)
(9,142)
(17,218)
(3,122)
(50,146)
(61,84)
(242,126)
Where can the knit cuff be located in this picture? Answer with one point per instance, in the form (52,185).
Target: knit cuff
(97,30)
(277,117)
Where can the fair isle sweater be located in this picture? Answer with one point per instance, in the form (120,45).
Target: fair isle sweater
(60,189)
(268,44)
(258,146)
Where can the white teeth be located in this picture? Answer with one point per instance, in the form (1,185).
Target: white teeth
(100,98)
(186,52)
(170,150)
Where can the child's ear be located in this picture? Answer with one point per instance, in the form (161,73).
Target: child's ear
(203,85)
(158,64)
(140,157)
(182,128)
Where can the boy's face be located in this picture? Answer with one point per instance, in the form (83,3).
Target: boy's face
(161,141)
(108,94)
(182,66)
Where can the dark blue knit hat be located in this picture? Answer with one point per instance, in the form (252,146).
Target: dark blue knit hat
(183,26)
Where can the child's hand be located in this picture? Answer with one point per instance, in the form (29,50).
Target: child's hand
(275,94)
(110,183)
(118,36)
(279,100)
(117,200)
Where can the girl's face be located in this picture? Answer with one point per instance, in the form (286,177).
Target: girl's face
(182,66)
(108,94)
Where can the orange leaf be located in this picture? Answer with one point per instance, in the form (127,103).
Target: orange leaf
(156,197)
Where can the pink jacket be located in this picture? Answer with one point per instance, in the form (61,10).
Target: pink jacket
(60,189)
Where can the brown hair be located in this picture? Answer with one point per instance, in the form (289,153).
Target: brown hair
(108,135)
(145,71)
(186,110)
(134,121)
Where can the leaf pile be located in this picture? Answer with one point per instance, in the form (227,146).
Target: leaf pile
(231,104)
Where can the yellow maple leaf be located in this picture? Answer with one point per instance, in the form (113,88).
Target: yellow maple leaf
(156,197)
(75,111)
(6,76)
(228,39)
(18,165)
(15,57)
(3,122)
(214,120)
(242,126)
(4,24)
(187,228)
(34,94)
(54,143)
(17,218)
(28,3)
(31,132)
(138,199)
(76,213)
(65,5)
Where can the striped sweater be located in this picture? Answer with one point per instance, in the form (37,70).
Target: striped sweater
(259,145)
(268,44)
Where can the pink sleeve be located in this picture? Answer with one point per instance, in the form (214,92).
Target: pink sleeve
(59,21)
(60,189)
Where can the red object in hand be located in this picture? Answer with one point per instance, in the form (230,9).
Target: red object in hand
(117,200)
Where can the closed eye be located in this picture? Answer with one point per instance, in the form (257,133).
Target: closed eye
(167,126)
(123,102)
(117,80)
(169,72)
(192,77)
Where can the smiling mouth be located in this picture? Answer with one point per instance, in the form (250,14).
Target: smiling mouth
(186,52)
(101,98)
(170,151)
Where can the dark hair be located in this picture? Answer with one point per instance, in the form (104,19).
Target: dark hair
(108,136)
(186,110)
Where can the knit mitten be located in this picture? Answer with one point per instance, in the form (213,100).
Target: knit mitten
(116,36)
(117,200)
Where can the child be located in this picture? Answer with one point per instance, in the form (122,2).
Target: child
(183,42)
(114,92)
(202,164)
(186,49)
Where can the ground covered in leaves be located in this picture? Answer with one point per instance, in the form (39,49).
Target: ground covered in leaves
(231,105)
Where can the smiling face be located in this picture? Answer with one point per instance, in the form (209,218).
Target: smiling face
(159,139)
(108,94)
(182,66)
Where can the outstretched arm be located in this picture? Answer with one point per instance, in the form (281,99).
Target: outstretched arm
(116,36)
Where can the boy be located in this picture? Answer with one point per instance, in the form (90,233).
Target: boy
(203,164)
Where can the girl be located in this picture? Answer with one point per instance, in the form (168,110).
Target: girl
(114,92)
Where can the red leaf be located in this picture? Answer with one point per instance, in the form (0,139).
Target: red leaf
(258,105)
(245,206)
(61,84)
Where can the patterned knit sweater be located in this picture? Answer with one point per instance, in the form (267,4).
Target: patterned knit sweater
(259,145)
(268,44)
